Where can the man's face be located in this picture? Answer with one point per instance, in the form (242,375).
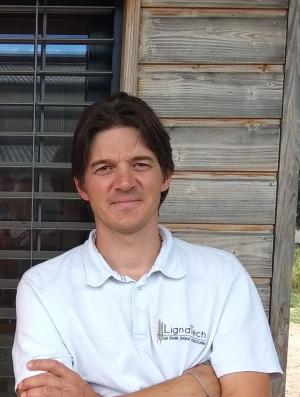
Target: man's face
(123,181)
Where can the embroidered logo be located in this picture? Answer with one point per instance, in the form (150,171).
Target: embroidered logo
(189,333)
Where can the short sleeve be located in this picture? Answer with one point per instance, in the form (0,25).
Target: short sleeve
(243,341)
(36,335)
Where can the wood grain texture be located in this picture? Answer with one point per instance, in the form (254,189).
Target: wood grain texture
(254,249)
(264,289)
(217,4)
(212,91)
(220,198)
(209,227)
(287,194)
(130,38)
(225,145)
(207,36)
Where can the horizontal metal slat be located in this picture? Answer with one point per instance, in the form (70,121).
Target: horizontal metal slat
(8,283)
(47,134)
(41,195)
(57,9)
(11,164)
(46,226)
(40,103)
(66,72)
(7,313)
(10,254)
(54,40)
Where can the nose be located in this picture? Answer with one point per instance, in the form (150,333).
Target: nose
(124,178)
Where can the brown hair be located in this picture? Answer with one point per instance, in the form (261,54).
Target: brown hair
(121,110)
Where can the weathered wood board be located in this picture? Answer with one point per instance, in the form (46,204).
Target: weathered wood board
(208,36)
(224,145)
(220,198)
(130,39)
(253,247)
(217,4)
(212,91)
(264,289)
(287,194)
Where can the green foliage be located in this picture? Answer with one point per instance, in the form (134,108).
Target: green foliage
(295,299)
(295,307)
(296,271)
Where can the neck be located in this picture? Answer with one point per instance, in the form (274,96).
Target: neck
(131,254)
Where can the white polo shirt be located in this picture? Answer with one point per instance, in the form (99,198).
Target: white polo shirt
(196,304)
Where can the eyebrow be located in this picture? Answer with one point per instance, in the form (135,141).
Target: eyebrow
(143,158)
(136,158)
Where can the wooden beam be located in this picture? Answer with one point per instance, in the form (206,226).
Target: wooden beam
(253,248)
(222,227)
(215,91)
(130,42)
(287,194)
(197,35)
(264,289)
(217,3)
(220,198)
(227,145)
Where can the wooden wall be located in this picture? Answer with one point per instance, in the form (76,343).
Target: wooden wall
(214,72)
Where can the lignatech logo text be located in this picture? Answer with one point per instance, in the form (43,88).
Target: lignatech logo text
(186,333)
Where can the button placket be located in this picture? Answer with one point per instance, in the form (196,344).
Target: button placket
(139,318)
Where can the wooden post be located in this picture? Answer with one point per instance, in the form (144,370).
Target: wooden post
(129,64)
(287,194)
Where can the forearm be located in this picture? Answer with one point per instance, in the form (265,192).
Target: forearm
(246,384)
(56,379)
(182,386)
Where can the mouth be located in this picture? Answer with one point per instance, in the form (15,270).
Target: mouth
(126,203)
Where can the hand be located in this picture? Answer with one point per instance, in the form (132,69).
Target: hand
(209,378)
(57,381)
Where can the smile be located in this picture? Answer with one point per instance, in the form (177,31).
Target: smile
(126,204)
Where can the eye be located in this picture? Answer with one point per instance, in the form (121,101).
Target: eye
(103,169)
(141,166)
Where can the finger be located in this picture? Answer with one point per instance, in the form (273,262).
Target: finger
(44,379)
(49,365)
(42,391)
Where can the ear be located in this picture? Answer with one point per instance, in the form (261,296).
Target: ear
(166,182)
(81,190)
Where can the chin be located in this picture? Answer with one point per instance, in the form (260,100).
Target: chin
(127,227)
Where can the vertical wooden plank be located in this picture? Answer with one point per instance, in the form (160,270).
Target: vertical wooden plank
(287,194)
(130,42)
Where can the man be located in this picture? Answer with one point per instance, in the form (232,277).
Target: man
(133,309)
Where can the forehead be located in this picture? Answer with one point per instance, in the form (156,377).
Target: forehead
(118,141)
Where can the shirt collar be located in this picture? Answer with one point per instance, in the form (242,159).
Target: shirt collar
(168,260)
(98,271)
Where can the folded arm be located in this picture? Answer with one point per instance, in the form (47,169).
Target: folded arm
(58,380)
(246,384)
